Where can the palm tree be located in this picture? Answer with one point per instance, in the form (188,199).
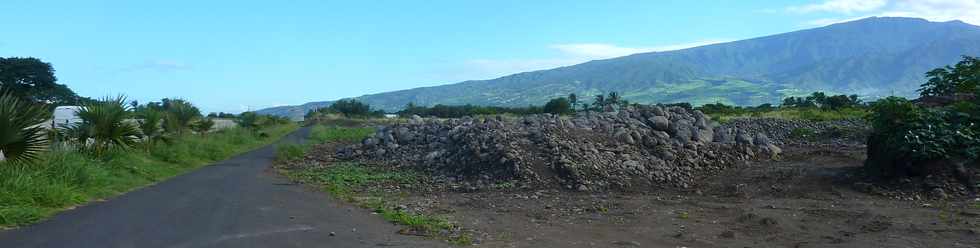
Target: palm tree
(22,138)
(600,102)
(573,99)
(104,125)
(150,126)
(180,115)
(203,126)
(248,120)
(613,98)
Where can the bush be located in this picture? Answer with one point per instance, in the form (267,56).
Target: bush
(906,136)
(21,139)
(104,126)
(557,106)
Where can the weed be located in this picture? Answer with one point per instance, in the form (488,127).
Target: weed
(683,215)
(289,151)
(346,180)
(802,133)
(322,134)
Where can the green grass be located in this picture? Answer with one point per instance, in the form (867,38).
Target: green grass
(289,151)
(320,134)
(361,184)
(813,114)
(63,179)
(348,181)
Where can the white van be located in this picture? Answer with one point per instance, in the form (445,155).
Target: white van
(66,116)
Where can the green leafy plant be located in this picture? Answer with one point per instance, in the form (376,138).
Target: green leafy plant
(22,139)
(104,126)
(203,126)
(906,135)
(151,127)
(180,115)
(248,120)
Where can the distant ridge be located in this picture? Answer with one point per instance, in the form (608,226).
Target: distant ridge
(871,57)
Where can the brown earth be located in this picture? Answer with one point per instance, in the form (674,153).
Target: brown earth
(813,196)
(805,200)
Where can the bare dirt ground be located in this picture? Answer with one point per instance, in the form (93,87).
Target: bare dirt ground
(807,199)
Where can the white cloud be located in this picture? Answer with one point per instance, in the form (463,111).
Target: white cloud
(933,10)
(840,6)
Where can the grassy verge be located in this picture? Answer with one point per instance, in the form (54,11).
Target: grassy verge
(362,185)
(813,114)
(63,179)
(321,134)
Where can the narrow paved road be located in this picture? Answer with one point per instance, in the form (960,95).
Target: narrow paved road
(239,202)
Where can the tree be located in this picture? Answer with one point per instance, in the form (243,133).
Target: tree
(352,108)
(248,120)
(559,105)
(573,99)
(33,80)
(180,115)
(104,122)
(21,138)
(150,126)
(964,77)
(600,102)
(203,126)
(614,98)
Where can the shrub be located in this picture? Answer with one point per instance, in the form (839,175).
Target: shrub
(180,115)
(21,138)
(559,105)
(905,136)
(203,126)
(104,126)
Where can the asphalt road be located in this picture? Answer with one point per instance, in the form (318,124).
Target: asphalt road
(239,202)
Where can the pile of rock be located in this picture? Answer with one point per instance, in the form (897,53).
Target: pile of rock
(647,146)
(803,132)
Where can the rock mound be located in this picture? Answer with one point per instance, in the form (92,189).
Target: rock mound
(799,132)
(647,146)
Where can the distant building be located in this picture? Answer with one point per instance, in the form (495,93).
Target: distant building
(65,116)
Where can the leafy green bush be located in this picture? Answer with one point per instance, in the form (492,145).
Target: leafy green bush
(104,126)
(21,138)
(203,126)
(559,105)
(906,135)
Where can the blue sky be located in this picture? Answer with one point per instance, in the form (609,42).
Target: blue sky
(238,55)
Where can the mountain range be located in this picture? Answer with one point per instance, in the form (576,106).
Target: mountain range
(871,57)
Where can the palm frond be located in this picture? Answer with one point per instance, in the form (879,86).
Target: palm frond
(22,139)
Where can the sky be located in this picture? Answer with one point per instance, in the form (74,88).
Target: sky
(240,55)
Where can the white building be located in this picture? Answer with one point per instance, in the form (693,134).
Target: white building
(65,116)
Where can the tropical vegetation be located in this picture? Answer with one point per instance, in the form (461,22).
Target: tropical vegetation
(46,169)
(942,127)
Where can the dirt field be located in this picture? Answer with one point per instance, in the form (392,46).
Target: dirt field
(805,200)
